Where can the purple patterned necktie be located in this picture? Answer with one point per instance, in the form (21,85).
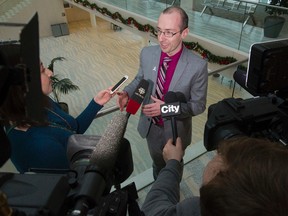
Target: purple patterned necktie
(160,84)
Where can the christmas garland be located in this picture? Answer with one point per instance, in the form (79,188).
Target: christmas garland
(148,28)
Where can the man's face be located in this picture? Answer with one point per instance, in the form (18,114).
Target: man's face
(171,23)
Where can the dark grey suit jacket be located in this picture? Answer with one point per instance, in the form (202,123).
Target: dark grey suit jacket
(163,199)
(190,78)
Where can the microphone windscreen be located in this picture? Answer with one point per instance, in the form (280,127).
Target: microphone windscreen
(132,107)
(107,149)
(170,97)
(181,97)
(137,97)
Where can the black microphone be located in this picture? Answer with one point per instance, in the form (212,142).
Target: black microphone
(137,98)
(170,109)
(181,97)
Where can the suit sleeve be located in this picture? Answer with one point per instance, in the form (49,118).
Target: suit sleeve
(163,198)
(85,119)
(198,90)
(194,87)
(130,88)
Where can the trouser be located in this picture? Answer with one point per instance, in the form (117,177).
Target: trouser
(156,141)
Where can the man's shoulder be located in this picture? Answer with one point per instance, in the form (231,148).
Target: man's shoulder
(151,48)
(192,56)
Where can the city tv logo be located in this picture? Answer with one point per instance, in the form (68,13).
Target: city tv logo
(170,109)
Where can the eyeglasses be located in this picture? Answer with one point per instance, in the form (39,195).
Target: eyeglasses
(168,34)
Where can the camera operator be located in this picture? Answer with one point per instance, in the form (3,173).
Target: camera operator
(248,176)
(36,144)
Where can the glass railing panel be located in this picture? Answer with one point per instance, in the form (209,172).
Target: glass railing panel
(244,18)
(241,24)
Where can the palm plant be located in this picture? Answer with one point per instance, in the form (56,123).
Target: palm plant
(60,86)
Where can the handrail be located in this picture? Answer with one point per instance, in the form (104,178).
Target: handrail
(107,111)
(228,66)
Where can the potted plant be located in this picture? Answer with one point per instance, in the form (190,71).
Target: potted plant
(61,86)
(273,23)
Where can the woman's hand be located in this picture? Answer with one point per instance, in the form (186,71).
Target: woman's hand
(103,96)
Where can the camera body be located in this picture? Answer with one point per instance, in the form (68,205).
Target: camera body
(254,117)
(84,189)
(51,194)
(264,115)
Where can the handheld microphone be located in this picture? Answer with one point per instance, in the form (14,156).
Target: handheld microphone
(137,98)
(181,97)
(170,109)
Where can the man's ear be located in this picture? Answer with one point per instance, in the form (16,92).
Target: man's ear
(185,33)
(213,167)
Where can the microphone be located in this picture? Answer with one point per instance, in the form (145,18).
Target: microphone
(181,97)
(101,165)
(170,109)
(106,151)
(137,98)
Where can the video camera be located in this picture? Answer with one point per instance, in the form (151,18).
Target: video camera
(265,115)
(83,190)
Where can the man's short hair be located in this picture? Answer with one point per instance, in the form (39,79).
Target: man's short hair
(183,14)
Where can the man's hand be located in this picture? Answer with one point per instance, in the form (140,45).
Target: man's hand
(122,100)
(152,109)
(171,151)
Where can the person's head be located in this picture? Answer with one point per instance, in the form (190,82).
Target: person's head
(253,180)
(46,83)
(12,110)
(172,28)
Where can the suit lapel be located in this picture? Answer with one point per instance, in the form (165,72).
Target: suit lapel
(179,70)
(155,66)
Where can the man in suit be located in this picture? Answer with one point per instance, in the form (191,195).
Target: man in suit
(187,73)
